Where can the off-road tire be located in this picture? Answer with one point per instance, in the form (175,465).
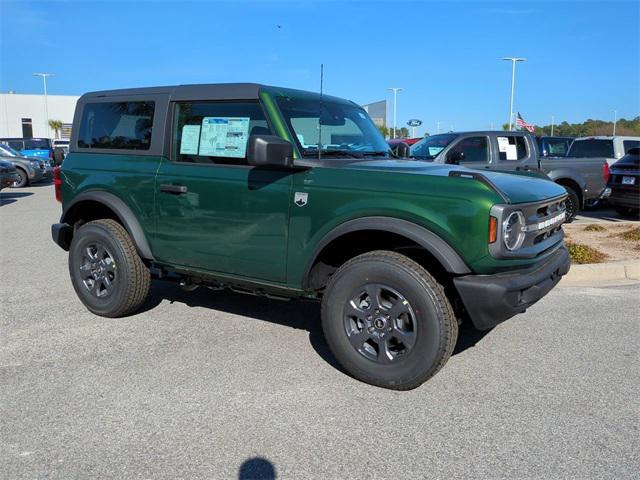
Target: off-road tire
(132,276)
(23,179)
(573,204)
(437,324)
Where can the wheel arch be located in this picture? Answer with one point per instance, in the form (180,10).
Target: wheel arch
(96,204)
(394,229)
(574,185)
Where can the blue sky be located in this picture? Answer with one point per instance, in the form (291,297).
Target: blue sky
(583,56)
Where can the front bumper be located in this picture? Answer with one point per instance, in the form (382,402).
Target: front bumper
(491,299)
(61,234)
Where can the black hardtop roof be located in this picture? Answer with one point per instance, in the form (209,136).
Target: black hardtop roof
(240,90)
(213,91)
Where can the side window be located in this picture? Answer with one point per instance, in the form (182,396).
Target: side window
(557,148)
(629,144)
(117,125)
(471,149)
(216,132)
(512,148)
(16,144)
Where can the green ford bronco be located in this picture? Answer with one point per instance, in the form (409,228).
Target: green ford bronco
(285,193)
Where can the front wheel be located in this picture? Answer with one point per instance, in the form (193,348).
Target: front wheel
(106,271)
(388,321)
(572,203)
(22,180)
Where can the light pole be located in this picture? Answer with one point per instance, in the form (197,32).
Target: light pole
(513,61)
(46,107)
(395,91)
(615,120)
(553,120)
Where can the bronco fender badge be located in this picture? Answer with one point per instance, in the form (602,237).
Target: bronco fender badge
(300,199)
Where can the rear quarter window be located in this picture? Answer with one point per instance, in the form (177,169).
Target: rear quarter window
(117,125)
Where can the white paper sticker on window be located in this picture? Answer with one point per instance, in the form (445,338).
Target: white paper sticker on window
(503,143)
(512,152)
(224,136)
(189,140)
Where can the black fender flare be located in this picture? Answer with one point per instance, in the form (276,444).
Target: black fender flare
(441,250)
(122,211)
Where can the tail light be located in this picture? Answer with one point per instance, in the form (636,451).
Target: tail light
(605,172)
(57,183)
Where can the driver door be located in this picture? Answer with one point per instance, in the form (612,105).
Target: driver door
(214,212)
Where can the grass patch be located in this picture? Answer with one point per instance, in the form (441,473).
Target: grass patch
(594,227)
(632,235)
(582,254)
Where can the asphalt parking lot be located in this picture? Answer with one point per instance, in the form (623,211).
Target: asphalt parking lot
(219,385)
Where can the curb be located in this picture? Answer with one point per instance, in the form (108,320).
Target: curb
(627,271)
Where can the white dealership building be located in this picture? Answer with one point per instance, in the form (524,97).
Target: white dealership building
(25,115)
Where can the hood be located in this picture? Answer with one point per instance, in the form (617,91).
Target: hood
(514,187)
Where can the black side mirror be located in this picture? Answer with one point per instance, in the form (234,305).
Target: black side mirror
(455,157)
(269,150)
(401,150)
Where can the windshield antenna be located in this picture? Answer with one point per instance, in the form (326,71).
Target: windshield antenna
(320,116)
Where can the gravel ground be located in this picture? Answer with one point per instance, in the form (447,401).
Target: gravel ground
(219,385)
(608,240)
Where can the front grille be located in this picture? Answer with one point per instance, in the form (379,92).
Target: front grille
(543,227)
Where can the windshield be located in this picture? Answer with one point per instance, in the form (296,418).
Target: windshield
(36,144)
(332,127)
(591,147)
(430,147)
(7,150)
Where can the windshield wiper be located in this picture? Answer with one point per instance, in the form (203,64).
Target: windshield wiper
(377,154)
(333,153)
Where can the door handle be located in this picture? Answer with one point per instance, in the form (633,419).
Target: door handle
(175,189)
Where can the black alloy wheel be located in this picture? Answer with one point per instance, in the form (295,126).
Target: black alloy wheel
(380,323)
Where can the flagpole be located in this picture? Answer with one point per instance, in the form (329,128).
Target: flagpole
(513,61)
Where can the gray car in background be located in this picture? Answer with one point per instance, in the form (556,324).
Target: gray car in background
(610,149)
(583,178)
(28,169)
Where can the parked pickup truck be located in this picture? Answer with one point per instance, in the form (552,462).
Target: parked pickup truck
(280,192)
(583,179)
(610,149)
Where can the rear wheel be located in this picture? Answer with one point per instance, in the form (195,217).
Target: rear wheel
(106,271)
(388,321)
(572,203)
(22,180)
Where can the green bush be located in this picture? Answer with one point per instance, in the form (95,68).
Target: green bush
(594,227)
(582,254)
(632,235)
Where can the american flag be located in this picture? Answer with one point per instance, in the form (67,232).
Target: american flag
(522,124)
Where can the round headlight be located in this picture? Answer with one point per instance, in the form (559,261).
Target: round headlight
(512,231)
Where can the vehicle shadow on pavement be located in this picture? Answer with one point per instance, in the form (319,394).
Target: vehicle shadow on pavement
(7,198)
(257,468)
(297,313)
